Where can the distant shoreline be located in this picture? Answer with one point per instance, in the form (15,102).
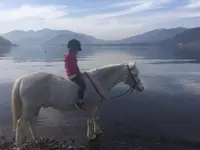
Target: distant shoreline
(110,44)
(15,45)
(11,45)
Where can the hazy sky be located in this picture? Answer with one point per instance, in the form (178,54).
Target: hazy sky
(106,19)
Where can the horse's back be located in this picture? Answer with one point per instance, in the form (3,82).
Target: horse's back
(49,81)
(62,91)
(62,87)
(34,86)
(46,89)
(35,79)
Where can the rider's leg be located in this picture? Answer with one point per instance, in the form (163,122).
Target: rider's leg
(79,81)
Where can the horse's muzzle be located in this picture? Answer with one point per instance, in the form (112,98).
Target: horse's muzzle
(140,90)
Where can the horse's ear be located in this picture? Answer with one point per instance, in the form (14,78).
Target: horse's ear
(132,65)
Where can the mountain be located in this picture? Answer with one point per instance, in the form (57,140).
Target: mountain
(189,36)
(61,37)
(185,45)
(153,36)
(47,36)
(5,42)
(5,46)
(17,35)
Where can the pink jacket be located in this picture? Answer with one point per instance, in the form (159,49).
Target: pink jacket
(71,64)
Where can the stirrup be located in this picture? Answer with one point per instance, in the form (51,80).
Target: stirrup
(80,107)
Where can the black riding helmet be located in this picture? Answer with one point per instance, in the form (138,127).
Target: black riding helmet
(74,45)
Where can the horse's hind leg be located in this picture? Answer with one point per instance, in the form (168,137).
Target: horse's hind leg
(23,125)
(32,124)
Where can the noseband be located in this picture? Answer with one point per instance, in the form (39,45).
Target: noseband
(134,80)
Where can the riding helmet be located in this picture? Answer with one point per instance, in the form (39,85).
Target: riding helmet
(74,45)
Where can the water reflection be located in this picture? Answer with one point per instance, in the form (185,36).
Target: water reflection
(43,53)
(4,50)
(173,61)
(32,60)
(169,83)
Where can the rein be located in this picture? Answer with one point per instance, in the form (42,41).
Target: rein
(129,90)
(94,85)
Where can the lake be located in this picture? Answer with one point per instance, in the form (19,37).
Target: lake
(169,106)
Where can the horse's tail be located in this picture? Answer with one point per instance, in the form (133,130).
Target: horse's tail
(16,103)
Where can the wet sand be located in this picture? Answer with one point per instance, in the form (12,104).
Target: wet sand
(151,120)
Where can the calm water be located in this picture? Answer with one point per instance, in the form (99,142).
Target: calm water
(168,106)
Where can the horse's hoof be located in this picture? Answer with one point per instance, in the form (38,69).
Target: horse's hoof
(18,148)
(93,137)
(98,132)
(35,140)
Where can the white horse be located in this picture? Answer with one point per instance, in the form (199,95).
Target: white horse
(32,92)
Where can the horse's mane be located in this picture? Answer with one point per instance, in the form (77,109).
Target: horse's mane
(105,70)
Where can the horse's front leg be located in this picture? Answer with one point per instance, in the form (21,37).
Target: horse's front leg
(90,129)
(97,129)
(90,123)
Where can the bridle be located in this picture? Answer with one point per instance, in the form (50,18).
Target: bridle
(134,80)
(129,90)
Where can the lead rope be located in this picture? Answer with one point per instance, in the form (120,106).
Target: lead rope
(130,89)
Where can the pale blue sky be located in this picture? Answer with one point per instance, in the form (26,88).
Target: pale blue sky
(106,19)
